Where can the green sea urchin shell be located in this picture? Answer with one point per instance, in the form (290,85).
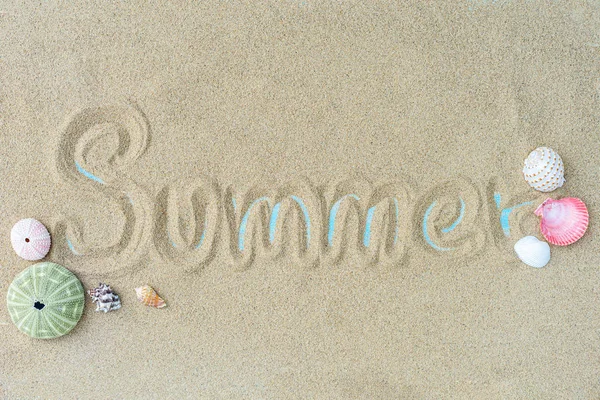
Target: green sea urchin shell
(45,301)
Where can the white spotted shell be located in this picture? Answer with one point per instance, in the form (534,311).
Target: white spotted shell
(544,170)
(533,251)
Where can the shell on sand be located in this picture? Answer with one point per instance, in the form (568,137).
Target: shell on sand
(544,170)
(45,301)
(30,239)
(149,297)
(564,221)
(533,251)
(106,300)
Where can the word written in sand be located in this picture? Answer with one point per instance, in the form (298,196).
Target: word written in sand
(189,222)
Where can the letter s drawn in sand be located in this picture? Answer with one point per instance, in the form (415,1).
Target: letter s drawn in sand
(82,131)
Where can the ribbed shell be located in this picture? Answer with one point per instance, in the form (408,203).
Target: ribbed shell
(52,285)
(533,251)
(30,239)
(544,170)
(564,221)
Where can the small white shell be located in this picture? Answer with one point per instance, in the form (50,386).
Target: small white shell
(544,170)
(533,251)
(30,239)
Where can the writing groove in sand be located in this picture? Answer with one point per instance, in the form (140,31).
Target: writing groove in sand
(188,222)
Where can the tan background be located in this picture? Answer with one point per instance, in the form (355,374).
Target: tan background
(267,92)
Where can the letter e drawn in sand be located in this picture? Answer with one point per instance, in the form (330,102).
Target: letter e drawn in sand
(449,217)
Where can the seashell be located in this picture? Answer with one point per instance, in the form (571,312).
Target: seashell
(30,239)
(45,301)
(563,221)
(544,170)
(106,300)
(533,251)
(149,297)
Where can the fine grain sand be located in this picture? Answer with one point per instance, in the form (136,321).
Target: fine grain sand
(144,136)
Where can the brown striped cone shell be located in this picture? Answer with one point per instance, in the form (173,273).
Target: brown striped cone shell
(149,297)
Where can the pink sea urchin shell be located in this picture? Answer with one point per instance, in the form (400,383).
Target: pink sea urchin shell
(30,239)
(564,221)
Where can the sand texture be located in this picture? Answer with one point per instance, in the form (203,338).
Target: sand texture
(326,194)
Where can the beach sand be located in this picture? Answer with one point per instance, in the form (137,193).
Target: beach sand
(131,131)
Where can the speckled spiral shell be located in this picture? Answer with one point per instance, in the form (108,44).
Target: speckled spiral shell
(544,170)
(30,239)
(149,297)
(45,301)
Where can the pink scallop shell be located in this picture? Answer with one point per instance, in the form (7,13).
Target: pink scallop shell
(564,221)
(30,239)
